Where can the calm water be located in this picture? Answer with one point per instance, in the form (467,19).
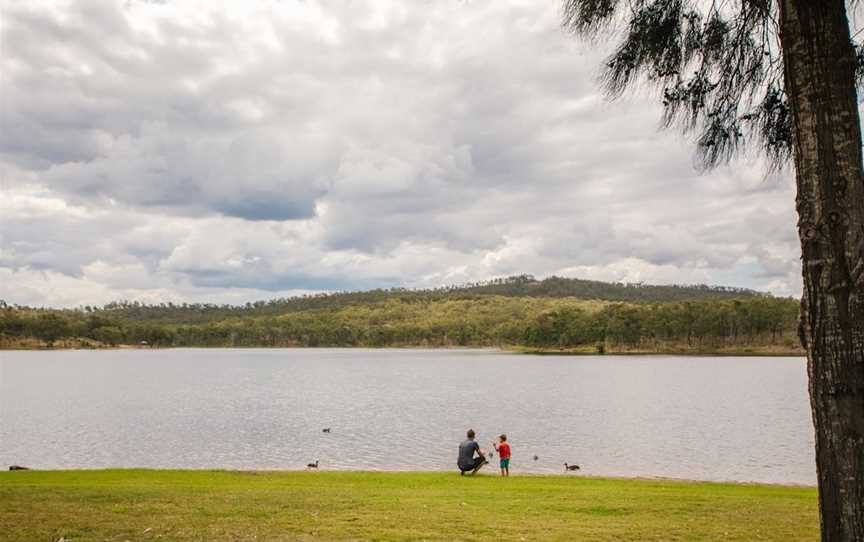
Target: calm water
(704,418)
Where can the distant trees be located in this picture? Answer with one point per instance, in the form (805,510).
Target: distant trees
(110,335)
(516,286)
(566,327)
(697,324)
(478,320)
(49,328)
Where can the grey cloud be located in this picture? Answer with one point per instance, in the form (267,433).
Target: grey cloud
(256,175)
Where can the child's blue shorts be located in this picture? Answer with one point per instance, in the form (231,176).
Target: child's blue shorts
(505,463)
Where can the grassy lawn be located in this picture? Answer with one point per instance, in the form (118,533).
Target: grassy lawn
(221,505)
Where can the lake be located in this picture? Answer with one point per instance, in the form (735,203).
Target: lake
(705,418)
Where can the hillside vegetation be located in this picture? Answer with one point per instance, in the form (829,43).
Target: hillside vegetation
(568,314)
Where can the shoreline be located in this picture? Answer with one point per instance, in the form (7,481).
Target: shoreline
(755,352)
(745,353)
(492,472)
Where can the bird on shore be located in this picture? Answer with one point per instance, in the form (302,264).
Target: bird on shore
(571,467)
(325,430)
(17,467)
(313,465)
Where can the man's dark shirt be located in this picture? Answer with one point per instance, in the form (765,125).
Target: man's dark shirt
(466,454)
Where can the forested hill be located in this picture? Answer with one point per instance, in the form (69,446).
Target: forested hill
(528,286)
(552,314)
(516,286)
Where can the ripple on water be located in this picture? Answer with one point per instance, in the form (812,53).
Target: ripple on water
(707,418)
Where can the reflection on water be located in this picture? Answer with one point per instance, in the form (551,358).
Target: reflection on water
(683,417)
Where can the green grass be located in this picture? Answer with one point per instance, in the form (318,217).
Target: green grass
(221,505)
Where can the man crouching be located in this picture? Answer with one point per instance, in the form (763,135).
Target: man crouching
(467,462)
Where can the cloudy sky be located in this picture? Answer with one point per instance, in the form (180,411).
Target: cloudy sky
(227,152)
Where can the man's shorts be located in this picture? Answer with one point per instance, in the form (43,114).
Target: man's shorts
(505,463)
(476,463)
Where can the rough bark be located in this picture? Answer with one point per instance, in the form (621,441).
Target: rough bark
(819,73)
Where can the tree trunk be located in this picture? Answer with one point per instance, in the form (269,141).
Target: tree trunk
(819,74)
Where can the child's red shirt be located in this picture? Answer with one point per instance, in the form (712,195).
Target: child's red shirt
(503,450)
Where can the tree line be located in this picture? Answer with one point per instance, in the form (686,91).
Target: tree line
(514,286)
(538,322)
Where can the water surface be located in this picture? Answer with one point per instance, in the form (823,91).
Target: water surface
(707,418)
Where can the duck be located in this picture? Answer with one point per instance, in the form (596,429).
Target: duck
(313,465)
(571,467)
(325,430)
(17,467)
(536,457)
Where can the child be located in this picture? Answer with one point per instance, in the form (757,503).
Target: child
(503,450)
